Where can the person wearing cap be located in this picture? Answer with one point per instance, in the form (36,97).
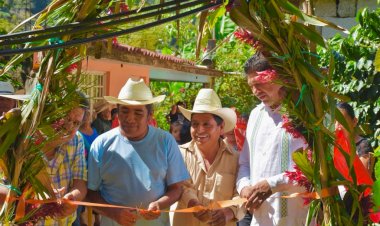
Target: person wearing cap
(266,154)
(135,165)
(8,98)
(211,163)
(103,121)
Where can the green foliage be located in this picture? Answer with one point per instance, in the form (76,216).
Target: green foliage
(376,193)
(355,74)
(232,88)
(174,91)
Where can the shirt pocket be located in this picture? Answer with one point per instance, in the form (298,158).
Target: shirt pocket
(224,186)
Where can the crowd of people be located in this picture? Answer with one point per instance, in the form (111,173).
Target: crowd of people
(120,158)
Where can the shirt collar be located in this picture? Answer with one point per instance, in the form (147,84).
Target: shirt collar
(191,146)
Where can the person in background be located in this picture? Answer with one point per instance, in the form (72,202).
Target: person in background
(175,114)
(135,164)
(266,154)
(89,134)
(115,118)
(175,130)
(8,98)
(8,101)
(102,123)
(230,139)
(364,152)
(184,134)
(211,163)
(363,147)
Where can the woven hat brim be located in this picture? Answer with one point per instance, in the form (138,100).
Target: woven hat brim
(114,100)
(16,97)
(228,115)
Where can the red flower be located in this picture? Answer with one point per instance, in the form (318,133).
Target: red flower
(71,68)
(300,179)
(288,126)
(41,212)
(246,36)
(266,76)
(124,7)
(182,90)
(115,41)
(230,5)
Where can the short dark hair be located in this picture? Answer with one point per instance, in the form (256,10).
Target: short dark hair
(348,108)
(218,119)
(149,107)
(257,62)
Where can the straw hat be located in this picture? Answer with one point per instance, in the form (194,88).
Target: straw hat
(101,105)
(207,101)
(7,90)
(135,92)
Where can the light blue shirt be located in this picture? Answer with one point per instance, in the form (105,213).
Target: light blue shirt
(135,173)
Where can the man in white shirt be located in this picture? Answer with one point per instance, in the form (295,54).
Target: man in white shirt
(267,154)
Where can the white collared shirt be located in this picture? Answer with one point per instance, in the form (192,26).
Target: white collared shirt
(266,155)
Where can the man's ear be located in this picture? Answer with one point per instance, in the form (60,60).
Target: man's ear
(150,116)
(222,128)
(355,121)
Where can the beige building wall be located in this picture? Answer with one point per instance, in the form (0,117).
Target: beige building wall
(120,73)
(341,12)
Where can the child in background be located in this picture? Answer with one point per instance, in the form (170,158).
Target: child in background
(175,130)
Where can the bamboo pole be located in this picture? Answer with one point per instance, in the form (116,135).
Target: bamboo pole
(319,141)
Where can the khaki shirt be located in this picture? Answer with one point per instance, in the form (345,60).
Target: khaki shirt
(216,184)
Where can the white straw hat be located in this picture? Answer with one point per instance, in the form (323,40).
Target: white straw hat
(7,90)
(135,92)
(207,101)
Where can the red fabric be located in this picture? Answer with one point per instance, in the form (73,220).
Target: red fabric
(240,130)
(153,122)
(115,122)
(362,175)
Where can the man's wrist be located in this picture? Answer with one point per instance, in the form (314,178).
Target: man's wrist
(192,202)
(229,214)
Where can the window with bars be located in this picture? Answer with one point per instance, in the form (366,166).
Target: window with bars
(94,85)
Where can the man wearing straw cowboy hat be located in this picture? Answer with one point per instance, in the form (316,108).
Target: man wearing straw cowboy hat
(211,164)
(135,165)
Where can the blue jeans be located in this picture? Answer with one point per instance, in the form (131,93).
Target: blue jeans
(246,221)
(77,220)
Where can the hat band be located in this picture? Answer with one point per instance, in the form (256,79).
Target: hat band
(6,92)
(133,99)
(205,108)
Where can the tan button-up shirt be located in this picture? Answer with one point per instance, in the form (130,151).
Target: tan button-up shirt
(216,184)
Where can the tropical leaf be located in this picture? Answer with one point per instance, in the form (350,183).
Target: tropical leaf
(302,161)
(376,193)
(376,62)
